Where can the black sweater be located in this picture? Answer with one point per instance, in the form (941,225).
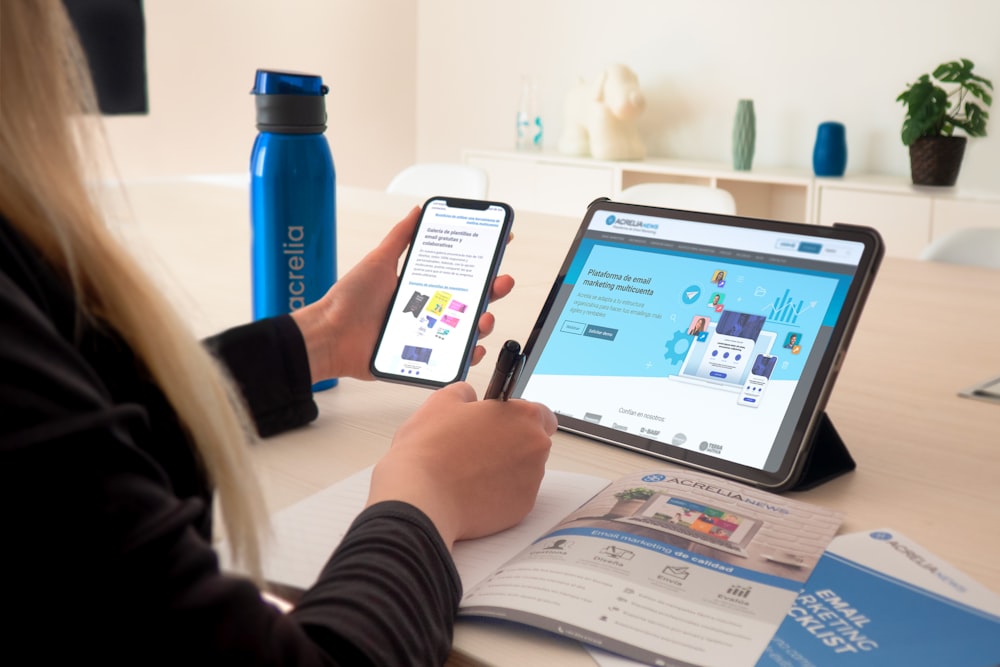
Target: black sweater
(106,516)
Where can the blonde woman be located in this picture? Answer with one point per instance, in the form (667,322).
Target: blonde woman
(116,428)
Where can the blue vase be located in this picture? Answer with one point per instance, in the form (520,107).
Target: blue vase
(744,135)
(830,151)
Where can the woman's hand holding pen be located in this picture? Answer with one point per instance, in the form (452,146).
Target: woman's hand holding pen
(474,467)
(340,329)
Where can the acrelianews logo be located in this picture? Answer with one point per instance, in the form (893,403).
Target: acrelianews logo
(631,224)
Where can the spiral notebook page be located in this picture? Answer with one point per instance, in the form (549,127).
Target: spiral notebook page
(305,534)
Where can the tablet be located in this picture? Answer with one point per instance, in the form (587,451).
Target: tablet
(708,340)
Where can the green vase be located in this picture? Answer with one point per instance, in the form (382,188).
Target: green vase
(744,135)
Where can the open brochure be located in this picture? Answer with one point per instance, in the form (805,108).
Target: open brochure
(878,598)
(667,566)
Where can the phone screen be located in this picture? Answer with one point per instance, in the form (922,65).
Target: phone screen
(431,326)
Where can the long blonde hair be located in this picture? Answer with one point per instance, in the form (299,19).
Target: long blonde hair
(45,91)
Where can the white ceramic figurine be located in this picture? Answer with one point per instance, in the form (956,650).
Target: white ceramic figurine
(600,117)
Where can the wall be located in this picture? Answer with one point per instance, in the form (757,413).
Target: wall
(424,79)
(201,59)
(802,62)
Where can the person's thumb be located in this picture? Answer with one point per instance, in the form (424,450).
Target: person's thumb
(457,392)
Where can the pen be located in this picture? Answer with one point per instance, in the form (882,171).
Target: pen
(508,360)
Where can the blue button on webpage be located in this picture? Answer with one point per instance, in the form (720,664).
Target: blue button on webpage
(603,333)
(812,248)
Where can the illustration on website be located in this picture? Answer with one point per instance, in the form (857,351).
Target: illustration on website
(435,317)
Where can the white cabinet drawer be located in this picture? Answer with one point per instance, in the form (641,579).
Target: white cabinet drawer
(953,214)
(903,220)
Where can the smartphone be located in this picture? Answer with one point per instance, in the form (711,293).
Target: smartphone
(431,327)
(760,373)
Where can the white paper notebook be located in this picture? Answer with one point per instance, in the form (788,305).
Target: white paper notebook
(305,534)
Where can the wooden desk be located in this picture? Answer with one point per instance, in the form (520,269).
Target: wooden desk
(928,460)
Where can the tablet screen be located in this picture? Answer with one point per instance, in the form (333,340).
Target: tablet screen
(709,340)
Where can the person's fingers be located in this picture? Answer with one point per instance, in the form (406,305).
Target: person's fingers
(399,237)
(487,321)
(502,286)
(548,419)
(478,354)
(456,392)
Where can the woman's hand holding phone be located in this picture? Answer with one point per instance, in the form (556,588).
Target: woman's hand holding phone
(340,330)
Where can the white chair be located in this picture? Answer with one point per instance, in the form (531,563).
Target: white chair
(682,196)
(975,246)
(428,179)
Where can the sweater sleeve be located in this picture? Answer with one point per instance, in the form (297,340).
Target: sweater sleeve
(105,562)
(268,361)
(394,560)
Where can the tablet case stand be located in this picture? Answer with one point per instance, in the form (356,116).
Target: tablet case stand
(828,457)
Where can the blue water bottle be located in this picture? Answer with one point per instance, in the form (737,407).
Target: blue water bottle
(292,196)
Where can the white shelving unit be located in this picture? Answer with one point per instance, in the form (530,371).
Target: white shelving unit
(558,184)
(908,217)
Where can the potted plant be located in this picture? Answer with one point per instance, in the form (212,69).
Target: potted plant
(629,500)
(933,114)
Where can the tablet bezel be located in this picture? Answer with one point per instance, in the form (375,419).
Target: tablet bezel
(802,441)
